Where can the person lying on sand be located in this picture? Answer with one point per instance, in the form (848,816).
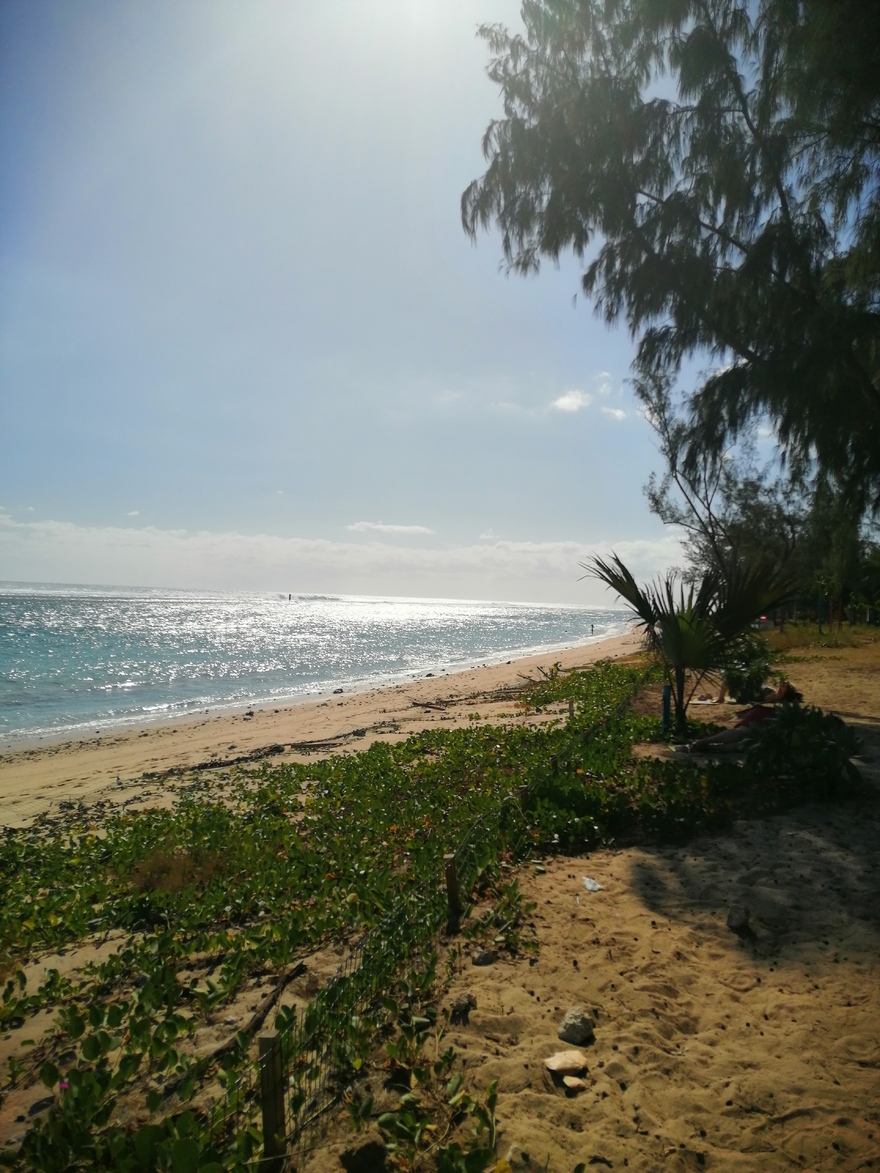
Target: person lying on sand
(785,692)
(742,730)
(771,696)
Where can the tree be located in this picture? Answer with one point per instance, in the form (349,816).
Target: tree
(716,163)
(732,512)
(691,626)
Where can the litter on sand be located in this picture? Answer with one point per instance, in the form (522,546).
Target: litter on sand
(592,885)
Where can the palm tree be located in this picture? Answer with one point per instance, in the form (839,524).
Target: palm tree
(689,624)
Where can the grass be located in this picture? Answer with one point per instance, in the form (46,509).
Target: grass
(801,635)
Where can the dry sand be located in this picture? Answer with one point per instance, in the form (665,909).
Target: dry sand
(712,1051)
(34,779)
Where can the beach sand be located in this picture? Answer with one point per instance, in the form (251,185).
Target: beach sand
(36,779)
(713,1049)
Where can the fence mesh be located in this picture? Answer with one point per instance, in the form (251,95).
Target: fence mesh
(315,1046)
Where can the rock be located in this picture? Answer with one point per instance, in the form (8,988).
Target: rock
(337,691)
(518,1157)
(577,1027)
(460,1009)
(566,1063)
(738,918)
(574,1083)
(367,1155)
(311,983)
(485,957)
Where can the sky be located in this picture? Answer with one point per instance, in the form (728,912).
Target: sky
(244,341)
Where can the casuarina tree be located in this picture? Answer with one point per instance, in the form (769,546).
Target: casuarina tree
(716,165)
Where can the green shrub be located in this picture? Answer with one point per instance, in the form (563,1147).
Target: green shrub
(747,665)
(806,746)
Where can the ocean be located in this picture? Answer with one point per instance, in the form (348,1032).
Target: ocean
(78,659)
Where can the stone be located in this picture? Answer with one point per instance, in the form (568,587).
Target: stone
(484,957)
(738,918)
(566,1063)
(577,1027)
(460,1009)
(518,1157)
(574,1083)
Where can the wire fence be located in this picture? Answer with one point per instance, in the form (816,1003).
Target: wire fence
(267,1107)
(303,1068)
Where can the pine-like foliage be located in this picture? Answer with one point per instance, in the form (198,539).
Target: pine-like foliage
(716,165)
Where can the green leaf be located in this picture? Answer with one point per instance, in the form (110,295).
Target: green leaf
(49,1074)
(75,1026)
(185,1156)
(91,1048)
(146,1145)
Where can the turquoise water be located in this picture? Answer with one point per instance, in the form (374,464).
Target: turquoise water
(75,659)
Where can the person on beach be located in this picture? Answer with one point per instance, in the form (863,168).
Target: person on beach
(742,730)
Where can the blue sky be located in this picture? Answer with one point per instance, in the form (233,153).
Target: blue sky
(244,341)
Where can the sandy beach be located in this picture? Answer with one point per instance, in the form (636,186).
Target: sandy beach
(714,1049)
(36,779)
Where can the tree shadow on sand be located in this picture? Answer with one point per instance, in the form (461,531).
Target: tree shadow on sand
(809,880)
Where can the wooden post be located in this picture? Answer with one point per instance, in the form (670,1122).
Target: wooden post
(570,709)
(453,895)
(272,1103)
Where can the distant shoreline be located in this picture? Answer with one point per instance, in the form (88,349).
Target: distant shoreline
(38,776)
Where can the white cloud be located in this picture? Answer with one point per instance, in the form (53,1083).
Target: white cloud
(380,527)
(56,551)
(133,513)
(573,401)
(615,412)
(604,383)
